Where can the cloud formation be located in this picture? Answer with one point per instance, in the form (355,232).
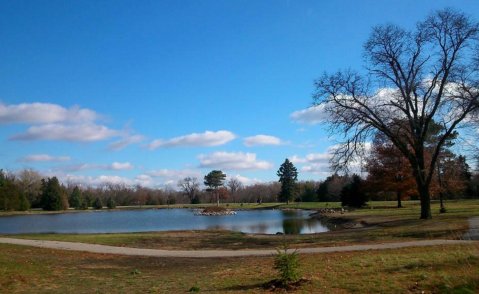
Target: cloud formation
(317,163)
(120,144)
(244,180)
(260,140)
(312,157)
(310,116)
(116,166)
(54,122)
(88,132)
(44,113)
(233,161)
(206,139)
(43,157)
(171,176)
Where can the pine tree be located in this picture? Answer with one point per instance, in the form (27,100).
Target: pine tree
(53,195)
(97,204)
(111,203)
(75,198)
(214,180)
(288,175)
(353,195)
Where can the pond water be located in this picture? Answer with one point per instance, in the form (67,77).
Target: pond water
(118,221)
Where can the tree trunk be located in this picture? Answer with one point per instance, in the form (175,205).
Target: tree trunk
(425,202)
(440,186)
(217,198)
(399,199)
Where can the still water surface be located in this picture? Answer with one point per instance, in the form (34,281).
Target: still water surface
(250,221)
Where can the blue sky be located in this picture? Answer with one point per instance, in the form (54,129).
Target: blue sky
(152,91)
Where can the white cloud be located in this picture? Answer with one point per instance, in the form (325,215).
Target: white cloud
(207,139)
(88,132)
(87,166)
(96,181)
(121,166)
(233,161)
(44,113)
(120,144)
(144,180)
(43,157)
(312,157)
(244,180)
(259,140)
(310,116)
(172,175)
(317,169)
(317,163)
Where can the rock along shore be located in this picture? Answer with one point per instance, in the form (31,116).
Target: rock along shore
(227,212)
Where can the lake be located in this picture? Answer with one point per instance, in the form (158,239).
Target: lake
(122,221)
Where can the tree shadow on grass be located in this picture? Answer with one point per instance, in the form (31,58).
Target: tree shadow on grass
(273,285)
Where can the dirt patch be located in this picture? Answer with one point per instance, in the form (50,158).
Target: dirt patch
(278,286)
(337,222)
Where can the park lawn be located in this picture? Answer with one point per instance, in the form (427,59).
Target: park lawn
(382,222)
(437,269)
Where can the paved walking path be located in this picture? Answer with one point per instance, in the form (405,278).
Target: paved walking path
(473,233)
(211,253)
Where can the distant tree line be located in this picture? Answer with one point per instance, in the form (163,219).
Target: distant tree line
(387,177)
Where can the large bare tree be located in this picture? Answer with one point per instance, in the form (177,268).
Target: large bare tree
(234,184)
(190,187)
(413,79)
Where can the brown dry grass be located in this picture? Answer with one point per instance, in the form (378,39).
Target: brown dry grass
(438,269)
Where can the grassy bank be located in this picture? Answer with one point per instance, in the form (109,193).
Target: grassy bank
(438,269)
(382,222)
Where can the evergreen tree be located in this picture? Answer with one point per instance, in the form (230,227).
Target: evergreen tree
(111,203)
(352,195)
(288,175)
(11,198)
(97,204)
(53,196)
(214,180)
(75,198)
(309,194)
(88,200)
(196,200)
(323,192)
(24,204)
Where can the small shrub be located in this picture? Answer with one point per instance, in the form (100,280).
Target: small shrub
(442,210)
(214,209)
(97,204)
(111,203)
(135,272)
(195,289)
(287,264)
(196,200)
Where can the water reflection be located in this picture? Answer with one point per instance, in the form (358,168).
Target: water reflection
(253,221)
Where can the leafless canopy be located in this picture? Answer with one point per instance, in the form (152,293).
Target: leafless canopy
(189,186)
(417,78)
(413,80)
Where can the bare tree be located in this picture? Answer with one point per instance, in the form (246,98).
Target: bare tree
(234,184)
(414,79)
(190,187)
(30,183)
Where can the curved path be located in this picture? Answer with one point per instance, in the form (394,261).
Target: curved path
(473,233)
(212,253)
